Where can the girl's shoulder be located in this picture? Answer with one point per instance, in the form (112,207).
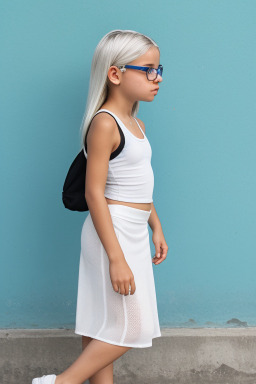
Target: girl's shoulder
(101,125)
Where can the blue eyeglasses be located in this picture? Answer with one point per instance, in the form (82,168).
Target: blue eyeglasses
(151,73)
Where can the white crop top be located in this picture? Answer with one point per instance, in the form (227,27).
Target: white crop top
(130,175)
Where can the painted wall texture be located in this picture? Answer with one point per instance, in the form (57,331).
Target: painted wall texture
(201,127)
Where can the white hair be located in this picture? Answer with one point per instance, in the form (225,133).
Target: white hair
(118,47)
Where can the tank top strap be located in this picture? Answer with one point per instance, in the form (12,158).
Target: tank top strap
(139,126)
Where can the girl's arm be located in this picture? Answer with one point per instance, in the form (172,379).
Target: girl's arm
(100,144)
(99,148)
(153,220)
(161,248)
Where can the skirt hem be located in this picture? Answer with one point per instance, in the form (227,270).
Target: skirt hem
(115,343)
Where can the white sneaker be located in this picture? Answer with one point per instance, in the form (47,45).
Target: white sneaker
(46,379)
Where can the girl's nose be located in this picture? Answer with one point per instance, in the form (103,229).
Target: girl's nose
(159,78)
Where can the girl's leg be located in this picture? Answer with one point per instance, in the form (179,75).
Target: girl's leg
(95,356)
(103,376)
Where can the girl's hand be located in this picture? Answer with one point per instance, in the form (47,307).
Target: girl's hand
(121,277)
(160,246)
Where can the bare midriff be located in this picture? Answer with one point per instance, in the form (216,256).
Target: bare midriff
(143,206)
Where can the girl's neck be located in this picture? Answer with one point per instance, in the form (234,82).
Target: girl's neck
(122,113)
(128,120)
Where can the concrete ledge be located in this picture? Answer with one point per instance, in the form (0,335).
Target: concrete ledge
(180,356)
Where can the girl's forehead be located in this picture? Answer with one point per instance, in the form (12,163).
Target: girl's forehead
(150,56)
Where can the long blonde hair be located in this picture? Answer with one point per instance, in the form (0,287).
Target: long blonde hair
(118,47)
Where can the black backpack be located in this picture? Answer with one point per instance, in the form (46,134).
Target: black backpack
(73,194)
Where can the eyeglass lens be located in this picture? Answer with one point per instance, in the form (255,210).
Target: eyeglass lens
(152,73)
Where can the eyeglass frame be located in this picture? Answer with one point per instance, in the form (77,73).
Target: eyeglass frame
(145,69)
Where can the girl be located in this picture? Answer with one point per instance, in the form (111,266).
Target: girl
(116,301)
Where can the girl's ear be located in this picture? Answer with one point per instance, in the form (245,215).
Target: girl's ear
(114,75)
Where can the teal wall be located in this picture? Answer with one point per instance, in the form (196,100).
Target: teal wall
(201,127)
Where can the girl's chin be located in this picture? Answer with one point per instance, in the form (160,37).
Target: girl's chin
(149,97)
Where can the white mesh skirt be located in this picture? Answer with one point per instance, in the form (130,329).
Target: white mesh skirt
(101,312)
